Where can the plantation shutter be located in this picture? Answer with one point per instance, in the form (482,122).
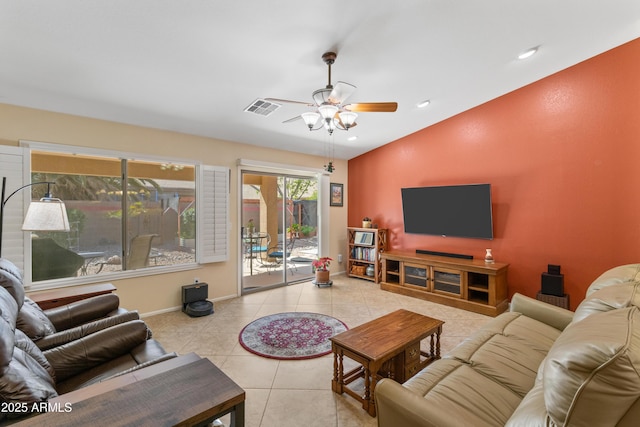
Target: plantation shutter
(212,228)
(11,165)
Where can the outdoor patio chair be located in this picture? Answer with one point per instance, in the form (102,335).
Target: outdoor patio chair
(53,261)
(139,251)
(277,253)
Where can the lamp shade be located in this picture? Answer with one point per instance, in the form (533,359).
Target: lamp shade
(48,214)
(327,111)
(310,119)
(348,118)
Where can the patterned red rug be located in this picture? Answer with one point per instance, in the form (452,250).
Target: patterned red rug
(291,336)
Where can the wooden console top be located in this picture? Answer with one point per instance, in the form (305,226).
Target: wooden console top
(192,391)
(444,261)
(63,296)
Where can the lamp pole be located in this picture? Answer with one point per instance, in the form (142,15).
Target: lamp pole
(3,200)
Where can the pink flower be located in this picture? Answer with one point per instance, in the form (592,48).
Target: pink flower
(322,264)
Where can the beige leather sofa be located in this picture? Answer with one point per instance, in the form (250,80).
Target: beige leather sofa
(536,365)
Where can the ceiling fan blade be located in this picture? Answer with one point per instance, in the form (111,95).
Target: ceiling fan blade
(293,119)
(288,101)
(372,107)
(341,91)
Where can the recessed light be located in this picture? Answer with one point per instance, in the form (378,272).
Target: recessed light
(423,103)
(352,138)
(528,53)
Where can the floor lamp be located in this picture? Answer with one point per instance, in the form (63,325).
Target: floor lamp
(48,214)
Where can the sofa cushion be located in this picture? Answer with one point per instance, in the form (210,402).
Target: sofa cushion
(531,411)
(100,347)
(592,366)
(508,349)
(11,280)
(611,297)
(33,322)
(614,276)
(25,344)
(143,353)
(8,313)
(463,396)
(27,377)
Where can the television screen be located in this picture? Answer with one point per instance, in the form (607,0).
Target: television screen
(455,210)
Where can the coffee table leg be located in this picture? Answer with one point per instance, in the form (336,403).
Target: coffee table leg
(370,386)
(432,347)
(338,371)
(366,400)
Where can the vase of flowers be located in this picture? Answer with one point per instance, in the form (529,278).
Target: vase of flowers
(321,267)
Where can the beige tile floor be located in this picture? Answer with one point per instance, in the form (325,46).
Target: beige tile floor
(296,393)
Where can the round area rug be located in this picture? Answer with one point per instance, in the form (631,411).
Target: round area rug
(291,336)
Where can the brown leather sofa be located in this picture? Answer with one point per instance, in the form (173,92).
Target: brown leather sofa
(536,365)
(83,354)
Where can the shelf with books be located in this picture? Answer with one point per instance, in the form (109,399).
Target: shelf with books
(365,246)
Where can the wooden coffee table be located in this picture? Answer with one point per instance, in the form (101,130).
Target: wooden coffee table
(385,347)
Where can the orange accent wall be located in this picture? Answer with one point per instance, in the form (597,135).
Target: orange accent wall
(562,156)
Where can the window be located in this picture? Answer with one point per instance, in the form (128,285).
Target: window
(125,213)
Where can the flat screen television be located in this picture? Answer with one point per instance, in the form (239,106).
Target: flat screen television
(453,210)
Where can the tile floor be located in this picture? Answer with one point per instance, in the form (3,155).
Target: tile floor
(296,393)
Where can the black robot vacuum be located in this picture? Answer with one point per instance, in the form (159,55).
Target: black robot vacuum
(194,300)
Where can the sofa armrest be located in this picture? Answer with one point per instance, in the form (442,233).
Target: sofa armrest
(103,346)
(550,314)
(83,311)
(398,406)
(66,336)
(144,365)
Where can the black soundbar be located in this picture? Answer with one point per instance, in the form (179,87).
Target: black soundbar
(447,254)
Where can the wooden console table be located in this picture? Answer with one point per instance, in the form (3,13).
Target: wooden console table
(469,284)
(184,391)
(387,347)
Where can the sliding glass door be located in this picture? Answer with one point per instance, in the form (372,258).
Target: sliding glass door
(279,237)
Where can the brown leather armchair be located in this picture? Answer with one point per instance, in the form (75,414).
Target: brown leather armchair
(29,374)
(56,326)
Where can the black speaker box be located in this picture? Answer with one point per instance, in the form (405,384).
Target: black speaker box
(194,300)
(553,269)
(553,284)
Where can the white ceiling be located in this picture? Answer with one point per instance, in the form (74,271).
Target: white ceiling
(193,66)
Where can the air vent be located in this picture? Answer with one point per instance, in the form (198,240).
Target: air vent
(262,107)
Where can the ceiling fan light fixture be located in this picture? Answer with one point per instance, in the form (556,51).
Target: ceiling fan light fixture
(321,96)
(327,111)
(310,119)
(348,118)
(329,125)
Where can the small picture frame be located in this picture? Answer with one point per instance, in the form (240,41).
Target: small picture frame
(336,194)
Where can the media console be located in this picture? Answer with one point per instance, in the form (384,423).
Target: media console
(469,284)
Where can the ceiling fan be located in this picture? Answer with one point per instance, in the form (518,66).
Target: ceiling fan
(330,110)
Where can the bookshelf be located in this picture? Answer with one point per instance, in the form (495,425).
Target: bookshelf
(365,246)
